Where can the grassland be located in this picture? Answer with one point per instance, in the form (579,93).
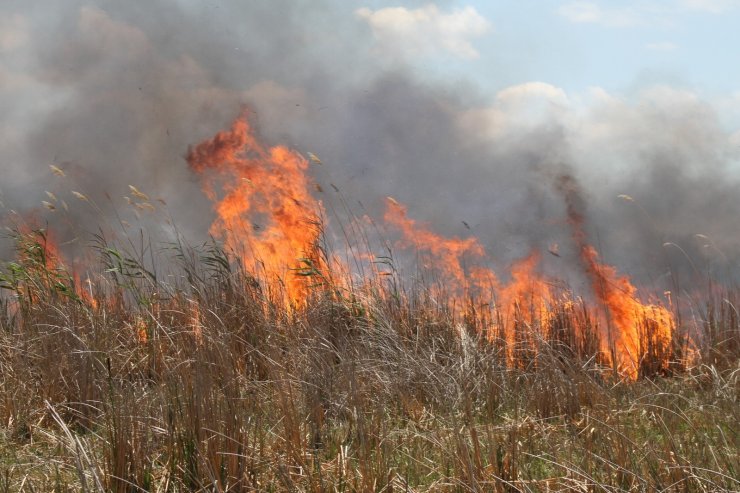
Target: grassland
(135,382)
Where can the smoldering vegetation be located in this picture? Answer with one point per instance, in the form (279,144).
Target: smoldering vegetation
(135,382)
(148,364)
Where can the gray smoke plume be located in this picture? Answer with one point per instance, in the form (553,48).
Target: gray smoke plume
(113,93)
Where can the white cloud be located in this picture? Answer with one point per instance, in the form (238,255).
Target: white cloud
(639,13)
(517,109)
(532,91)
(591,12)
(605,128)
(711,6)
(581,12)
(661,46)
(426,30)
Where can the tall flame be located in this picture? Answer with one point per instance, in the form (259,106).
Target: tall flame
(266,213)
(445,255)
(627,314)
(39,252)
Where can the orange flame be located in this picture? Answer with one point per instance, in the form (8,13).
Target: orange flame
(628,315)
(527,286)
(473,284)
(83,289)
(445,255)
(267,213)
(139,328)
(195,323)
(50,260)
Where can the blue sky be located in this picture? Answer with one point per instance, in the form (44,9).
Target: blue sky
(575,45)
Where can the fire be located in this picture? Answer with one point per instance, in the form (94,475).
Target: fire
(524,299)
(83,289)
(529,288)
(445,255)
(266,212)
(139,329)
(629,319)
(195,323)
(39,253)
(267,216)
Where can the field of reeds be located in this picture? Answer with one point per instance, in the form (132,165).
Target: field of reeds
(202,377)
(280,356)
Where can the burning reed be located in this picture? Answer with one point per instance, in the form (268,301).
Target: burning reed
(300,353)
(268,216)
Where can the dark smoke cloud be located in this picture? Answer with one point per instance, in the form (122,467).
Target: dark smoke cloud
(123,89)
(115,92)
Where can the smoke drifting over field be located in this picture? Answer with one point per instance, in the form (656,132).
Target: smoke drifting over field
(114,93)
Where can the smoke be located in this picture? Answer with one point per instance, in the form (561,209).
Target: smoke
(114,93)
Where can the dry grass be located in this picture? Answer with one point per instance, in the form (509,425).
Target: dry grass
(207,383)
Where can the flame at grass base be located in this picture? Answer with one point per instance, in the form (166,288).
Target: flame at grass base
(267,215)
(264,209)
(631,324)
